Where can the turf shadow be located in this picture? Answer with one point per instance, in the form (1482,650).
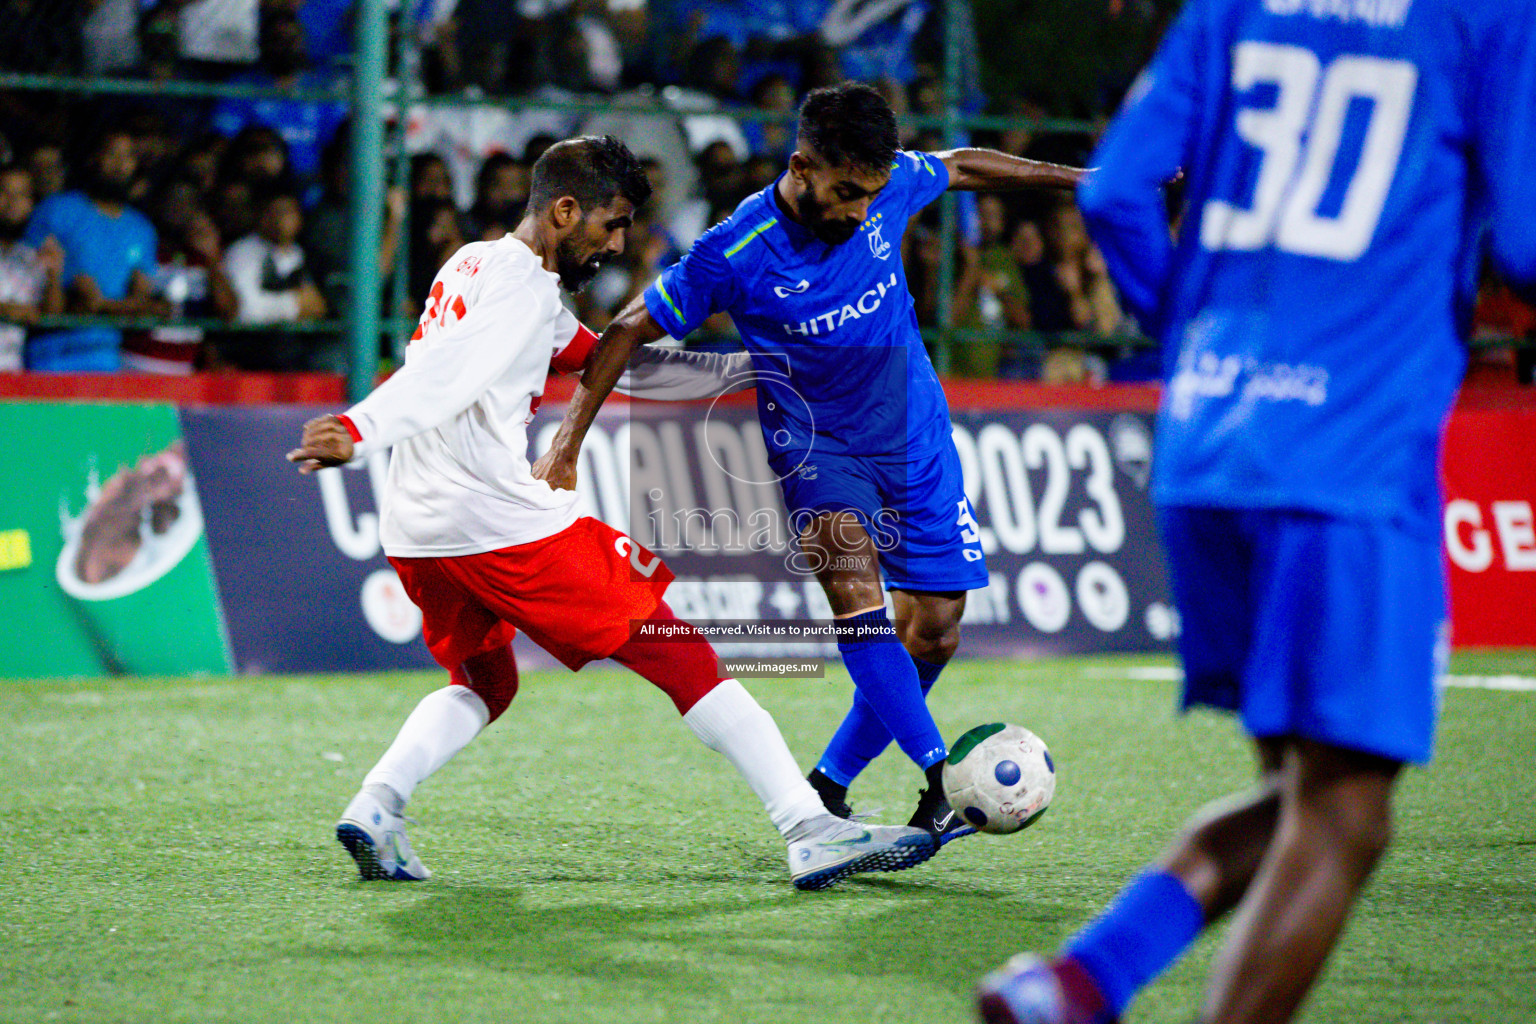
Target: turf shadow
(667,944)
(928,933)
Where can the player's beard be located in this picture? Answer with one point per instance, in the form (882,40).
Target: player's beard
(813,216)
(574,269)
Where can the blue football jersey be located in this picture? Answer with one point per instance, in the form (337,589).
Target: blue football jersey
(836,350)
(1342,159)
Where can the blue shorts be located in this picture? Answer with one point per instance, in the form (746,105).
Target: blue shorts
(1312,626)
(915,510)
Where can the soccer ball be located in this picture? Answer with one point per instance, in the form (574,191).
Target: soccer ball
(999,778)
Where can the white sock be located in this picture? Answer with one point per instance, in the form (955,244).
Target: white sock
(728,720)
(441,726)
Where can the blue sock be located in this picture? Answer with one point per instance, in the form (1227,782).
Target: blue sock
(1141,934)
(863,737)
(883,672)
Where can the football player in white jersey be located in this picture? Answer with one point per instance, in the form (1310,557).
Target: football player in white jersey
(485,549)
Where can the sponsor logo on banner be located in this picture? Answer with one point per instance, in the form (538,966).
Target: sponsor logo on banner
(1470,544)
(105,567)
(388,610)
(1489,525)
(1102,596)
(1043,598)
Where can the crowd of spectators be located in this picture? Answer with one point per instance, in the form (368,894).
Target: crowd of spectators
(198,213)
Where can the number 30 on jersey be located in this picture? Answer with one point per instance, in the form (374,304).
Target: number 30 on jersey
(1299,141)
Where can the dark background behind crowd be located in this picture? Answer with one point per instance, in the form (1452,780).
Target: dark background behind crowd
(235,210)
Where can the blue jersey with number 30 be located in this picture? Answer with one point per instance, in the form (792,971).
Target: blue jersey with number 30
(1341,160)
(838,357)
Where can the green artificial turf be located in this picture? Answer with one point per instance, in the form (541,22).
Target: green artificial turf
(166,855)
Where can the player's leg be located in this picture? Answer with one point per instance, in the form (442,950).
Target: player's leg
(1313,641)
(589,593)
(928,626)
(1203,874)
(723,715)
(444,723)
(1161,911)
(463,634)
(725,718)
(845,561)
(1218,853)
(828,511)
(1334,826)
(1347,654)
(930,552)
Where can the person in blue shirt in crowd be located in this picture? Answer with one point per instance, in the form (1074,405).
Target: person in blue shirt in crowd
(1343,162)
(854,419)
(306,125)
(109,259)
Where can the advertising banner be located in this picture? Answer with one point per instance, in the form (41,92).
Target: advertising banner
(104,568)
(1060,500)
(1490,526)
(117,520)
(304,584)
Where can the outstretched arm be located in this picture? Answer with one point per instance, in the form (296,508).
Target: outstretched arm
(435,384)
(678,375)
(987,170)
(1123,204)
(632,328)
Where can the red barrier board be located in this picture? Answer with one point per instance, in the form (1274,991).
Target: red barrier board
(196,389)
(1490,525)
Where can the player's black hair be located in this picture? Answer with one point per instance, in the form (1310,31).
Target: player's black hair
(849,124)
(592,170)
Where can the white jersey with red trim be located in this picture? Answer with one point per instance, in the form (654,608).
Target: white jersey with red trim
(456,414)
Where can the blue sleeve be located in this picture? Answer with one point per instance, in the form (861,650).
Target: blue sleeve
(691,290)
(923,175)
(1505,139)
(1146,144)
(41,224)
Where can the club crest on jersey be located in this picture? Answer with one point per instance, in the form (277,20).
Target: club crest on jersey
(878,246)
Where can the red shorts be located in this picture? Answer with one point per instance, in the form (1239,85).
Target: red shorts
(575,594)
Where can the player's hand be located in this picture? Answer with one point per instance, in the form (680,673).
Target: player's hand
(88,293)
(556,468)
(325,443)
(50,256)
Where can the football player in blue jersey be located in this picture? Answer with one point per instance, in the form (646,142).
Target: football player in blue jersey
(854,419)
(1343,160)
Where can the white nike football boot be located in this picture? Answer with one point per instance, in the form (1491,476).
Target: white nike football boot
(824,849)
(376,839)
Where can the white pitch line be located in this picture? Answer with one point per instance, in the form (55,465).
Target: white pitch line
(1517,684)
(1147,673)
(1174,674)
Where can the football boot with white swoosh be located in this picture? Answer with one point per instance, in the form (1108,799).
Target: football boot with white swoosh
(377,841)
(824,849)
